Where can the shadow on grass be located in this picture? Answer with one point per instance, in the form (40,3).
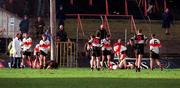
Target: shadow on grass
(88,83)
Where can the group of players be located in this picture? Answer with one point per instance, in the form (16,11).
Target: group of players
(22,49)
(101,49)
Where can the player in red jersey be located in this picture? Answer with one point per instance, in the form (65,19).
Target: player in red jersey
(154,51)
(96,52)
(120,51)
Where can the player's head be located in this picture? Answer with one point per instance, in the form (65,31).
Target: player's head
(166,10)
(153,35)
(25,35)
(92,36)
(61,27)
(101,26)
(25,17)
(97,35)
(18,35)
(39,18)
(108,36)
(44,37)
(140,31)
(119,40)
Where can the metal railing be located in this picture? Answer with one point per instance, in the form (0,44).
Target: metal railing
(66,55)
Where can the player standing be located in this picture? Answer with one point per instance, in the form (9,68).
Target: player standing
(44,49)
(96,52)
(27,49)
(154,51)
(139,41)
(106,50)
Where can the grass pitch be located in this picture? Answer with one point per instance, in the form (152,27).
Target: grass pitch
(85,78)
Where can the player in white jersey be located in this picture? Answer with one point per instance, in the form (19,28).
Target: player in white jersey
(154,51)
(44,49)
(27,49)
(106,50)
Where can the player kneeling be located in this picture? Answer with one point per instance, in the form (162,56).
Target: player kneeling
(120,51)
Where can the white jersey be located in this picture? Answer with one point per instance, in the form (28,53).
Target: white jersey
(106,44)
(16,46)
(27,44)
(155,45)
(44,45)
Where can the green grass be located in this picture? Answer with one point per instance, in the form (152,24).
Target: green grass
(84,78)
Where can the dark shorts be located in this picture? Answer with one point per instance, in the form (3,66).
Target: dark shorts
(43,53)
(106,52)
(154,55)
(166,25)
(96,52)
(37,53)
(139,49)
(27,53)
(123,52)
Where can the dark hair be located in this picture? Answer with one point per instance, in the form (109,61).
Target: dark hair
(108,35)
(140,30)
(153,35)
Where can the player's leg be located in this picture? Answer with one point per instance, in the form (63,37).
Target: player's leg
(40,61)
(109,60)
(158,63)
(30,61)
(98,63)
(23,61)
(136,59)
(44,61)
(139,62)
(122,61)
(103,59)
(92,62)
(151,63)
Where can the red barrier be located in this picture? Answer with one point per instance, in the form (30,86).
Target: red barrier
(79,23)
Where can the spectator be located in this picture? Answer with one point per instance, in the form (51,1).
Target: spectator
(47,33)
(102,32)
(151,4)
(2,3)
(24,25)
(10,50)
(39,25)
(40,7)
(61,16)
(167,20)
(61,34)
(11,6)
(16,46)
